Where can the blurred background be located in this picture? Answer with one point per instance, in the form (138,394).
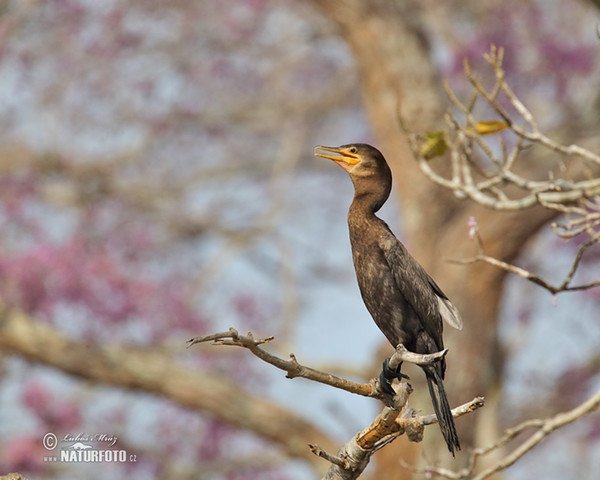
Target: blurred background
(157,183)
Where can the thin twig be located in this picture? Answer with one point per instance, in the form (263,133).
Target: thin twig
(564,286)
(334,459)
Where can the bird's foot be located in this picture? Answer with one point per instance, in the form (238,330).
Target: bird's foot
(390,373)
(386,377)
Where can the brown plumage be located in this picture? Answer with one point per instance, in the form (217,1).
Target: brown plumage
(405,302)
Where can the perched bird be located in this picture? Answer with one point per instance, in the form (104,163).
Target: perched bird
(405,302)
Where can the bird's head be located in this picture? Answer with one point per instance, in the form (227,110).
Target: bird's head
(366,166)
(357,159)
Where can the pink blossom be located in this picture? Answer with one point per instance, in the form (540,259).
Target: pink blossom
(473,227)
(25,454)
(37,397)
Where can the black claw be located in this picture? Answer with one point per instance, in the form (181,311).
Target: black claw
(386,377)
(386,389)
(392,374)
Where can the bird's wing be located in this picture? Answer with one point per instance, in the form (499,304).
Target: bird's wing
(448,311)
(420,290)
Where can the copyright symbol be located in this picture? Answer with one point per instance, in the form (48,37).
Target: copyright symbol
(50,441)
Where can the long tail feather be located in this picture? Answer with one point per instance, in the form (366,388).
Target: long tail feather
(442,408)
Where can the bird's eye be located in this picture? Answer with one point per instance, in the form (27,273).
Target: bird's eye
(353,150)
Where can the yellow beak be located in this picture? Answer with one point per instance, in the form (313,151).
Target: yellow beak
(344,158)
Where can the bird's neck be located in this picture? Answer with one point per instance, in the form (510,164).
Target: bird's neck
(362,210)
(368,202)
(370,195)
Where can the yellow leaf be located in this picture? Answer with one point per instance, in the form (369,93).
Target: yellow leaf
(489,127)
(433,144)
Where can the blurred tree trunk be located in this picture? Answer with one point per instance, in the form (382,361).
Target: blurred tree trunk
(392,57)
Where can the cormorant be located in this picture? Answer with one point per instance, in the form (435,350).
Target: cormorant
(405,302)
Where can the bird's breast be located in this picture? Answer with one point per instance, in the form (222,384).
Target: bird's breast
(390,310)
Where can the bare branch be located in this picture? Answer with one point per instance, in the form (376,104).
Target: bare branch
(319,452)
(545,193)
(292,367)
(354,456)
(564,286)
(351,460)
(459,411)
(488,177)
(295,369)
(544,427)
(403,355)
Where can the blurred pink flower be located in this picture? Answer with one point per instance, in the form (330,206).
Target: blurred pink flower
(473,227)
(37,397)
(24,454)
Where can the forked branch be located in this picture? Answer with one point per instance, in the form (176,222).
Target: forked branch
(542,428)
(350,461)
(292,366)
(564,286)
(486,171)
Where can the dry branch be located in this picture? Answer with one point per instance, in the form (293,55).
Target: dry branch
(564,286)
(350,461)
(403,355)
(295,369)
(543,428)
(493,182)
(292,367)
